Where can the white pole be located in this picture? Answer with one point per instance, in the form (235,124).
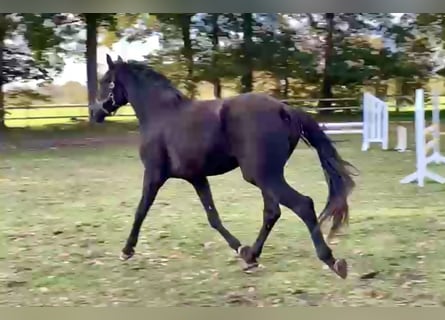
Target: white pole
(421,164)
(419,174)
(385,127)
(375,121)
(436,157)
(436,117)
(365,142)
(420,136)
(401,139)
(374,125)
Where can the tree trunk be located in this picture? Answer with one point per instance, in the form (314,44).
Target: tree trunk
(286,88)
(326,87)
(215,48)
(2,98)
(91,57)
(188,53)
(247,59)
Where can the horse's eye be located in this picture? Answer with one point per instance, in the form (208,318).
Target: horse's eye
(111,85)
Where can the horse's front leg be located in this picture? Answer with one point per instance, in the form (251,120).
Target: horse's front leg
(151,185)
(202,188)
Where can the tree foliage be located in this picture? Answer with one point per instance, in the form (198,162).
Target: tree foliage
(314,54)
(28,50)
(30,46)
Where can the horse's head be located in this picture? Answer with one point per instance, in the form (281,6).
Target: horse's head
(112,93)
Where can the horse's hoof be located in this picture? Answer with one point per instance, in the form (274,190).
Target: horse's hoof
(250,267)
(245,253)
(332,240)
(126,254)
(340,267)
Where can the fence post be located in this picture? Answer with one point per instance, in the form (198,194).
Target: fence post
(385,126)
(365,135)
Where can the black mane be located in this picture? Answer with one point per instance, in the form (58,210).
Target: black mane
(141,70)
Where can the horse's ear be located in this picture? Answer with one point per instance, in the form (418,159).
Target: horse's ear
(119,59)
(110,62)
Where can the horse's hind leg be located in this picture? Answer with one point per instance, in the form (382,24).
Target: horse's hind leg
(303,206)
(271,214)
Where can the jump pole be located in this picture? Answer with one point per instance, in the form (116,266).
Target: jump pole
(375,122)
(422,172)
(373,127)
(435,156)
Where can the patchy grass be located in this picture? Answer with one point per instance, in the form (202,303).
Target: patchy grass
(67,212)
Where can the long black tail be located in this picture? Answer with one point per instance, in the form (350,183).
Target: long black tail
(337,171)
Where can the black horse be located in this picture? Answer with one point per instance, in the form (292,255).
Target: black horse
(191,140)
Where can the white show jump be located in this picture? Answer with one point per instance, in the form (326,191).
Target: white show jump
(423,145)
(402,139)
(374,128)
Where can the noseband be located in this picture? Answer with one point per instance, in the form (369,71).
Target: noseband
(110,98)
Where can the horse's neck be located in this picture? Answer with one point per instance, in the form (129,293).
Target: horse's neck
(154,105)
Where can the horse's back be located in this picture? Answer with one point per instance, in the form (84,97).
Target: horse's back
(252,103)
(259,135)
(253,114)
(195,141)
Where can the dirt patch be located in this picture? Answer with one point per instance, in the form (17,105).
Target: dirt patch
(87,142)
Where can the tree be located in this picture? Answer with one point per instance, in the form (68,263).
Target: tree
(184,21)
(192,50)
(3,29)
(178,25)
(326,86)
(92,22)
(334,53)
(351,57)
(31,56)
(279,51)
(213,62)
(247,53)
(214,34)
(432,26)
(130,27)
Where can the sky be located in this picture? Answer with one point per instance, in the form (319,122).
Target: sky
(76,71)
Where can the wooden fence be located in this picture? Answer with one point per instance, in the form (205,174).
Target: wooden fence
(55,113)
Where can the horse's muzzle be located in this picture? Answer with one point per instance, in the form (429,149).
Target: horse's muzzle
(97,113)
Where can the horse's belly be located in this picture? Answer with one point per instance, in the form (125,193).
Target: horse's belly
(210,163)
(219,164)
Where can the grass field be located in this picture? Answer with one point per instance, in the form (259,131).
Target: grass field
(66,212)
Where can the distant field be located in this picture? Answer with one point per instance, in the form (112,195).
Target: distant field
(81,113)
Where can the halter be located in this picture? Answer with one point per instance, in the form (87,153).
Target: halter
(110,97)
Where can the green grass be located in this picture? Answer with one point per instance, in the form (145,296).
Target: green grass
(66,213)
(80,113)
